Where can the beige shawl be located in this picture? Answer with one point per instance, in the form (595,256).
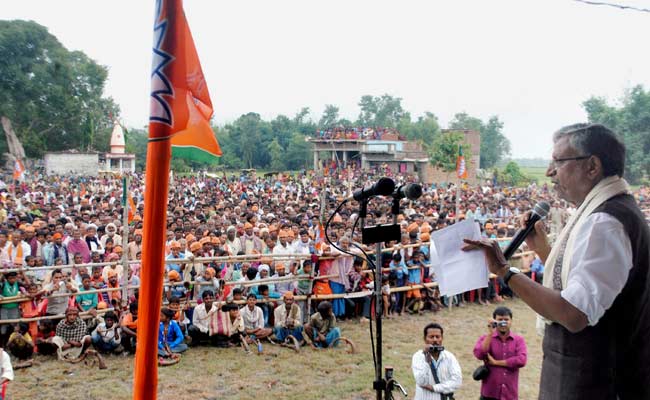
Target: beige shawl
(603,191)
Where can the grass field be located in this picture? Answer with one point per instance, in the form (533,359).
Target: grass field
(538,173)
(209,373)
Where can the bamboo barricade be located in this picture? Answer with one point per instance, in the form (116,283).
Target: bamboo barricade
(240,258)
(290,278)
(351,295)
(254,257)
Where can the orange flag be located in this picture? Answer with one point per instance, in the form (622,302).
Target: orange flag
(132,209)
(179,92)
(19,170)
(461,166)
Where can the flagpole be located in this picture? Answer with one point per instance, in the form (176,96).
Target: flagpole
(145,383)
(125,241)
(180,116)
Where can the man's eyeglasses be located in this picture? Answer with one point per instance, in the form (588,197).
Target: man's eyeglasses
(557,162)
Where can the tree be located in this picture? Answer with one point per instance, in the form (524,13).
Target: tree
(494,145)
(136,143)
(248,129)
(443,152)
(513,176)
(631,122)
(330,117)
(277,155)
(384,111)
(52,96)
(424,130)
(298,153)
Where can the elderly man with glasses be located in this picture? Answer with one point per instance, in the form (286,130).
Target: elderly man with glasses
(594,304)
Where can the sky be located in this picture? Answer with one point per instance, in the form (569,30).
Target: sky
(531,63)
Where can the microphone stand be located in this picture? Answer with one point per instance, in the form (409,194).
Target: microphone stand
(379,384)
(377,235)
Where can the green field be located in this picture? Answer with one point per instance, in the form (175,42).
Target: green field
(538,173)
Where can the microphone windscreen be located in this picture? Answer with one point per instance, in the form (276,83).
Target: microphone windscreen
(542,208)
(413,191)
(384,187)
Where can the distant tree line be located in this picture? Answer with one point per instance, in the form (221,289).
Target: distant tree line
(54,98)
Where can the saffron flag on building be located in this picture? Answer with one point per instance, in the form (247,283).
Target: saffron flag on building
(179,92)
(19,170)
(461,165)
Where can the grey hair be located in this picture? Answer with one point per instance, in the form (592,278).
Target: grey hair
(596,140)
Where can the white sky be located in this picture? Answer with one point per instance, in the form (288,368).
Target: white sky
(532,63)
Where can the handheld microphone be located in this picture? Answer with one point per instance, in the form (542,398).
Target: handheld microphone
(411,191)
(383,187)
(539,212)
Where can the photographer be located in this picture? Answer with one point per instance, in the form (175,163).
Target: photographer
(436,371)
(504,353)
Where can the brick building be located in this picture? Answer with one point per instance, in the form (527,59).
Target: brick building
(394,152)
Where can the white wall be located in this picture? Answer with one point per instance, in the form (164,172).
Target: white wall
(71,163)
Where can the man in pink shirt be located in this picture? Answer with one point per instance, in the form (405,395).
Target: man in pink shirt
(504,353)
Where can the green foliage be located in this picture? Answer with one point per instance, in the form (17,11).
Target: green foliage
(277,154)
(384,111)
(298,154)
(494,145)
(330,117)
(512,175)
(424,130)
(631,121)
(443,152)
(137,144)
(52,96)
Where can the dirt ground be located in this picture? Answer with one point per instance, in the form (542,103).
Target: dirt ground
(279,373)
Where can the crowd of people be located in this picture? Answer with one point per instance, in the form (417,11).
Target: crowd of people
(355,133)
(62,247)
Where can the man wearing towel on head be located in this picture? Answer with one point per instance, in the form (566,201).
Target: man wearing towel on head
(594,305)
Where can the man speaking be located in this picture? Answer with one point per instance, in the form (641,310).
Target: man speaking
(594,305)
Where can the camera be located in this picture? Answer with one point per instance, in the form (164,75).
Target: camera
(435,349)
(499,324)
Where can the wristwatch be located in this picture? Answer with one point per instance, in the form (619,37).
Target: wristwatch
(511,272)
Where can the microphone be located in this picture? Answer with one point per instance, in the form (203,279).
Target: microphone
(411,191)
(539,212)
(383,187)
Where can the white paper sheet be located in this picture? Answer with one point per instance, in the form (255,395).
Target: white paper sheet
(458,271)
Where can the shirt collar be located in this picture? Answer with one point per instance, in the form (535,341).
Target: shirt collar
(495,334)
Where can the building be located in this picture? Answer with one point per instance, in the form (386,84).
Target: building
(394,152)
(73,162)
(118,161)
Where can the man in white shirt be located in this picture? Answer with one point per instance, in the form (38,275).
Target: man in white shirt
(200,329)
(436,370)
(594,301)
(16,251)
(111,232)
(253,317)
(233,243)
